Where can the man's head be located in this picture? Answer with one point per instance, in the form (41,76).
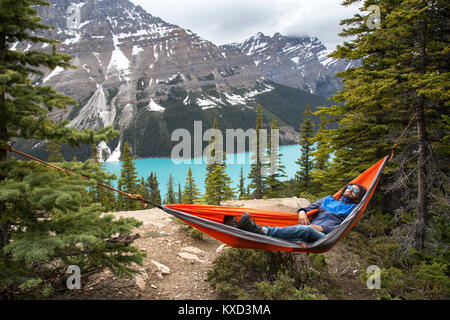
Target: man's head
(355,192)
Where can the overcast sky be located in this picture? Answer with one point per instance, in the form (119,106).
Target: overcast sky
(225,21)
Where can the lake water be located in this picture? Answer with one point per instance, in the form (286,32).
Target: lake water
(165,166)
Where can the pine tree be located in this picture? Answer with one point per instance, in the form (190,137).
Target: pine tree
(128,181)
(274,166)
(179,194)
(54,152)
(152,186)
(306,140)
(99,194)
(142,189)
(217,181)
(46,220)
(403,75)
(170,196)
(218,186)
(242,193)
(321,157)
(321,154)
(190,192)
(257,179)
(214,148)
(108,197)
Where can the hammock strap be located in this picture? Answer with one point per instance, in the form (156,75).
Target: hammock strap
(402,135)
(129,195)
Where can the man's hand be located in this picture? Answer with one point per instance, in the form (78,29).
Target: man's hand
(303,218)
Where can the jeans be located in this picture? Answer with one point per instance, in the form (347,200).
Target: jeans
(295,233)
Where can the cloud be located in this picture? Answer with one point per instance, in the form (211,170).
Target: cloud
(320,19)
(228,21)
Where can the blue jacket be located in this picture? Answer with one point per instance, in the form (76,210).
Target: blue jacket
(331,212)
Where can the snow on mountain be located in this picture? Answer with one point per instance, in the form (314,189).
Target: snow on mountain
(145,76)
(153,106)
(298,62)
(120,47)
(132,65)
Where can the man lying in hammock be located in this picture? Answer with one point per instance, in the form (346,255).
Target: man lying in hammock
(331,213)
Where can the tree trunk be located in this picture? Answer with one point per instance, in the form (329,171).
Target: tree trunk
(258,174)
(4,234)
(422,199)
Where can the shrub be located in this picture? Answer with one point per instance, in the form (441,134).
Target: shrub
(193,232)
(423,281)
(256,274)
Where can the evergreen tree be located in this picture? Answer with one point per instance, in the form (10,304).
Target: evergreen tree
(108,197)
(321,157)
(242,193)
(46,220)
(190,192)
(217,181)
(152,186)
(179,194)
(54,152)
(403,75)
(257,179)
(213,148)
(170,196)
(321,154)
(218,186)
(128,181)
(274,166)
(142,189)
(99,194)
(306,140)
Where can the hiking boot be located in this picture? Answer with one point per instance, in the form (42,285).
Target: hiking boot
(230,221)
(246,223)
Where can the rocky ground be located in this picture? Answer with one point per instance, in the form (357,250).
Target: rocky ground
(177,264)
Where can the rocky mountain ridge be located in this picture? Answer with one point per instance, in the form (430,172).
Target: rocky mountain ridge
(147,77)
(297,62)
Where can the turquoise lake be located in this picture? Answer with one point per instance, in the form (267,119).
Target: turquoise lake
(165,166)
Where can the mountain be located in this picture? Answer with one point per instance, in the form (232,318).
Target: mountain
(147,77)
(297,62)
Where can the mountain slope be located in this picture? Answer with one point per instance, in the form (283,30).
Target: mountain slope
(297,62)
(147,77)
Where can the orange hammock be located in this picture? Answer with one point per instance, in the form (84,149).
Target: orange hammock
(209,219)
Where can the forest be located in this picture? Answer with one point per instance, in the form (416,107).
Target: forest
(395,103)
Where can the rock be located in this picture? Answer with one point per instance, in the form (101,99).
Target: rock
(141,278)
(140,282)
(294,202)
(193,250)
(221,248)
(190,256)
(162,269)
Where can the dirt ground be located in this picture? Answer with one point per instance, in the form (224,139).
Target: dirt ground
(176,266)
